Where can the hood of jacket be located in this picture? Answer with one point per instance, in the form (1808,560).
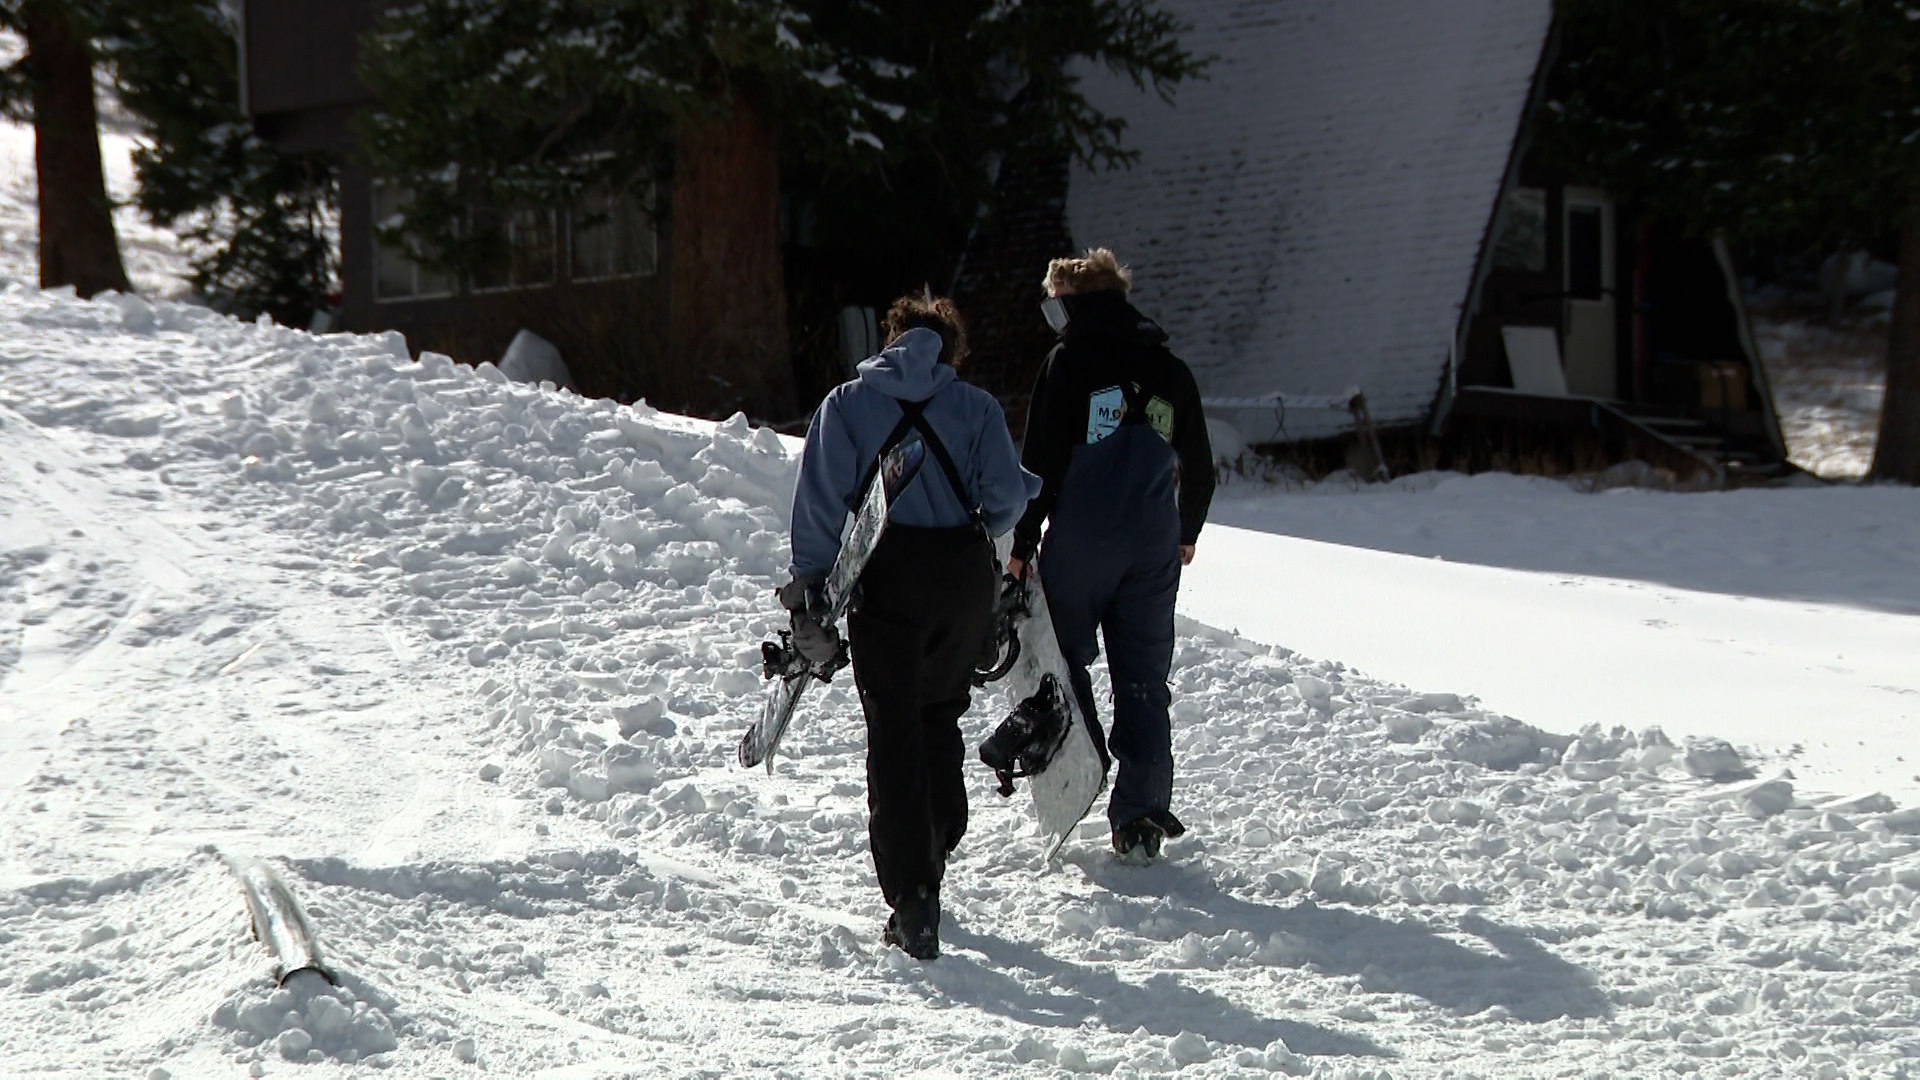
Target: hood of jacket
(1107,313)
(910,368)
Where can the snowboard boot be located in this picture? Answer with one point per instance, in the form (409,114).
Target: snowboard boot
(1138,843)
(1168,824)
(914,927)
(1026,741)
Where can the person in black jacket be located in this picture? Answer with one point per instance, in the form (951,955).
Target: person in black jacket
(1116,433)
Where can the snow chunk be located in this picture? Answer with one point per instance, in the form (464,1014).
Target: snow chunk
(132,423)
(1903,821)
(1715,759)
(1499,742)
(1404,727)
(1768,800)
(309,1014)
(1189,1049)
(1316,692)
(1596,755)
(1431,703)
(294,1044)
(136,314)
(531,358)
(628,768)
(97,934)
(648,715)
(60,975)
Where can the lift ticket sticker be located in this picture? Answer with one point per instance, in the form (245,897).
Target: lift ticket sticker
(1160,416)
(1105,409)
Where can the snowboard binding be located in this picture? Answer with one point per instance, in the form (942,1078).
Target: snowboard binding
(780,660)
(1012,609)
(1026,741)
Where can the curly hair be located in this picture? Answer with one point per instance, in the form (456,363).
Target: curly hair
(1093,271)
(936,313)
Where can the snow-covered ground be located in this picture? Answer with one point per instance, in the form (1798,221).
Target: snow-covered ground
(1786,620)
(467,659)
(1827,384)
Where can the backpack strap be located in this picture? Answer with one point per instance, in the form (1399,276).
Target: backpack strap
(946,465)
(913,418)
(909,419)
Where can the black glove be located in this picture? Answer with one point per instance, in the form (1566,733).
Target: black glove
(806,602)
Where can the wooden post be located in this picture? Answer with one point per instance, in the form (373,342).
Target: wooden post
(728,346)
(1896,456)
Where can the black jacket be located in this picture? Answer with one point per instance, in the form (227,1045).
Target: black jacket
(1111,371)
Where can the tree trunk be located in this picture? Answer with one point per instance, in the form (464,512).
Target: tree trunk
(1896,456)
(728,325)
(77,242)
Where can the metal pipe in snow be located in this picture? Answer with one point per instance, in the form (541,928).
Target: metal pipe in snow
(278,921)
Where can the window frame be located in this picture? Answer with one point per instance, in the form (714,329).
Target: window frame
(402,194)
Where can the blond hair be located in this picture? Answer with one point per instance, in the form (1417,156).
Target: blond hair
(1093,271)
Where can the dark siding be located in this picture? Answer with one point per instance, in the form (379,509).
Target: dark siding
(612,334)
(302,54)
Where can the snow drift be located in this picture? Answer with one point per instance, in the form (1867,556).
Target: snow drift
(467,658)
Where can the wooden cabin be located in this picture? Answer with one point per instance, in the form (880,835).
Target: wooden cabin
(591,280)
(1349,202)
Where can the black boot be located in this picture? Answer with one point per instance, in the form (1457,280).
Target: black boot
(915,925)
(1138,842)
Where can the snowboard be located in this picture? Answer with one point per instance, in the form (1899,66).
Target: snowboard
(1044,739)
(792,675)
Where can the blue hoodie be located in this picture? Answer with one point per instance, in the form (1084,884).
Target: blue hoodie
(857,417)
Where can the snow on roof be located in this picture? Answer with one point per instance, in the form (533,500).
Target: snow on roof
(1307,218)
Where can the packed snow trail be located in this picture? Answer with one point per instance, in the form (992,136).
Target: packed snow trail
(468,660)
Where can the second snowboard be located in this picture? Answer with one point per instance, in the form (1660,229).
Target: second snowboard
(1044,738)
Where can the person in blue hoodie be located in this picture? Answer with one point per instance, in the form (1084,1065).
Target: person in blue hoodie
(923,612)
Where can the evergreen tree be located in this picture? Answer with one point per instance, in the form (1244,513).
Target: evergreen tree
(881,118)
(1791,121)
(263,220)
(52,86)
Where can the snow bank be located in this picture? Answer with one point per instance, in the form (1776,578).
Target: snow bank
(565,598)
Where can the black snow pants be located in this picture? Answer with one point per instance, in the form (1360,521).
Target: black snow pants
(1128,596)
(924,613)
(1111,564)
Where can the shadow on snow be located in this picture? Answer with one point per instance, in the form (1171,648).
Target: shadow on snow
(1514,971)
(1161,1004)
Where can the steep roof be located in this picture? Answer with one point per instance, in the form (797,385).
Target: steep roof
(1308,218)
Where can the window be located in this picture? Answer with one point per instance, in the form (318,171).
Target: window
(1522,243)
(526,255)
(612,235)
(607,236)
(397,274)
